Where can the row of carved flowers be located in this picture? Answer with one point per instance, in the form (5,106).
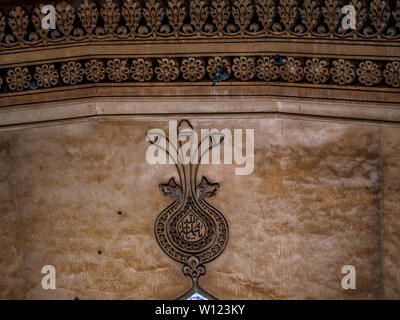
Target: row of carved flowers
(289,69)
(200,18)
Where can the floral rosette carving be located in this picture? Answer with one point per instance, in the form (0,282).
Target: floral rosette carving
(117,70)
(46,75)
(72,72)
(94,70)
(193,69)
(142,69)
(18,22)
(369,73)
(167,69)
(218,62)
(18,78)
(392,74)
(244,68)
(343,71)
(267,69)
(317,70)
(291,70)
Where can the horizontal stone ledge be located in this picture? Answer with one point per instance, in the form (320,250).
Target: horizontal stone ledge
(226,89)
(216,107)
(305,47)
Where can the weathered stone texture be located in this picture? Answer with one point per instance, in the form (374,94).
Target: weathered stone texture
(311,206)
(11,256)
(390,141)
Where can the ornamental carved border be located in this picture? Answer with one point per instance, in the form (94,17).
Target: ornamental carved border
(330,72)
(130,20)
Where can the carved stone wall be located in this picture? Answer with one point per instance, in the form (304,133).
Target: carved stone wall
(80,196)
(76,102)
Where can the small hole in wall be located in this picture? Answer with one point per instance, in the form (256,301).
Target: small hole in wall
(119,212)
(99,252)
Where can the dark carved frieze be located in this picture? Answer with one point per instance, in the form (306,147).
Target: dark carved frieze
(285,43)
(330,72)
(108,20)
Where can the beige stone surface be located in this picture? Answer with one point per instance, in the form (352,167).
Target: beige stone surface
(311,206)
(390,142)
(11,256)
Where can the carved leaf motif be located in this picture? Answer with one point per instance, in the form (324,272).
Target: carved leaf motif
(88,14)
(331,13)
(153,14)
(396,14)
(132,14)
(18,23)
(198,14)
(65,17)
(37,18)
(361,14)
(176,13)
(206,189)
(379,14)
(220,13)
(310,14)
(242,12)
(288,12)
(111,15)
(266,12)
(171,189)
(2,25)
(193,268)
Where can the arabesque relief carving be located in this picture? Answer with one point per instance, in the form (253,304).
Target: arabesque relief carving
(190,230)
(198,19)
